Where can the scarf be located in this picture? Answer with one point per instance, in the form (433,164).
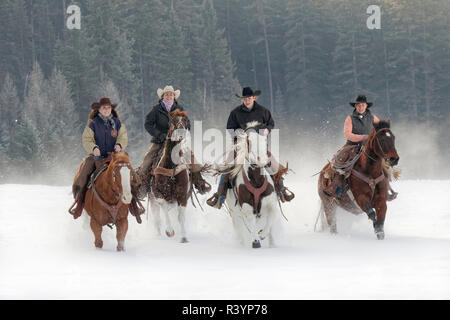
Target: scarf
(108,120)
(168,106)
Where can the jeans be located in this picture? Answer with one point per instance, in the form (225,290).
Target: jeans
(221,182)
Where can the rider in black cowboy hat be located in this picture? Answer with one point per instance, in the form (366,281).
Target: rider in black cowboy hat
(357,128)
(251,111)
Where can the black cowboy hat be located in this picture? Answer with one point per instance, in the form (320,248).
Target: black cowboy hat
(248,92)
(361,99)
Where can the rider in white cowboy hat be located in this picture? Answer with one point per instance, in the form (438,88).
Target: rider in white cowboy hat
(157,125)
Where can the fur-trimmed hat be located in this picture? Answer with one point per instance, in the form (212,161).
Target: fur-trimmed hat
(101,102)
(160,92)
(96,106)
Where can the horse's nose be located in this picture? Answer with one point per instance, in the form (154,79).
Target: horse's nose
(394,161)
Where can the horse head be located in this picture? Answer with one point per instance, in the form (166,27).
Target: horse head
(178,125)
(382,142)
(120,171)
(257,145)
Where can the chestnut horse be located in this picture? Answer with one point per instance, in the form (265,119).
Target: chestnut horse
(171,184)
(367,183)
(108,199)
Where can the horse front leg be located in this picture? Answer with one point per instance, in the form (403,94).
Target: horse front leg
(97,230)
(378,225)
(166,207)
(250,222)
(155,208)
(181,219)
(122,228)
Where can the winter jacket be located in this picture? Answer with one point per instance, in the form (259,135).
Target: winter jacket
(99,134)
(241,115)
(157,122)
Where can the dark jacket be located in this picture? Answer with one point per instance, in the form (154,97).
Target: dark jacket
(105,140)
(241,115)
(157,122)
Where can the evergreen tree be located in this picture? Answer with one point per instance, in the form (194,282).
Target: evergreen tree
(9,106)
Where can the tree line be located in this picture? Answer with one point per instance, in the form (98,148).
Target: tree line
(309,58)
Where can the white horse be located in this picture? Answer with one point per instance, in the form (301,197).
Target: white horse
(252,224)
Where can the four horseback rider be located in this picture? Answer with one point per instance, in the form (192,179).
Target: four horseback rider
(157,125)
(357,128)
(251,111)
(103,134)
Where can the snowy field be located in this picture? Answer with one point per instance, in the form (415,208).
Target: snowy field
(45,254)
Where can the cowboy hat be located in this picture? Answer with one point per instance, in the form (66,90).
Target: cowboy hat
(101,102)
(161,92)
(248,92)
(361,99)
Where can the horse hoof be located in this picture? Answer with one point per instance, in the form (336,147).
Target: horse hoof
(119,249)
(170,234)
(99,244)
(184,240)
(256,244)
(380,235)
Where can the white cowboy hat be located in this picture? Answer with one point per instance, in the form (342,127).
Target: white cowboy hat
(161,92)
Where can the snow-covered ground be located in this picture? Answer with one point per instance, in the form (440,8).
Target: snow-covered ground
(45,254)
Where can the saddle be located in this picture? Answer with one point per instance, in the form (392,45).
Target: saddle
(346,157)
(100,166)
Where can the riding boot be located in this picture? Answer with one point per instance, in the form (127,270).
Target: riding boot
(276,171)
(221,193)
(144,170)
(283,193)
(78,204)
(200,184)
(338,186)
(79,187)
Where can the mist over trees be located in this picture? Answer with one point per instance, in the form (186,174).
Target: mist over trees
(309,58)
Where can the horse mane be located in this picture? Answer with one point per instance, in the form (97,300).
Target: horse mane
(241,152)
(382,124)
(385,123)
(121,157)
(177,113)
(252,124)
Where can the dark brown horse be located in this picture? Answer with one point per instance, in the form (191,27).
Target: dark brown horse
(108,199)
(367,183)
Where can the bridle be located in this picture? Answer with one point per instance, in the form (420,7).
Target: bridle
(383,156)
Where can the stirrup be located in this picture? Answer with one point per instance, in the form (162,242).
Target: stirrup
(213,200)
(285,196)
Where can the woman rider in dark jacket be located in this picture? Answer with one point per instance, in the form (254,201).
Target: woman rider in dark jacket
(157,125)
